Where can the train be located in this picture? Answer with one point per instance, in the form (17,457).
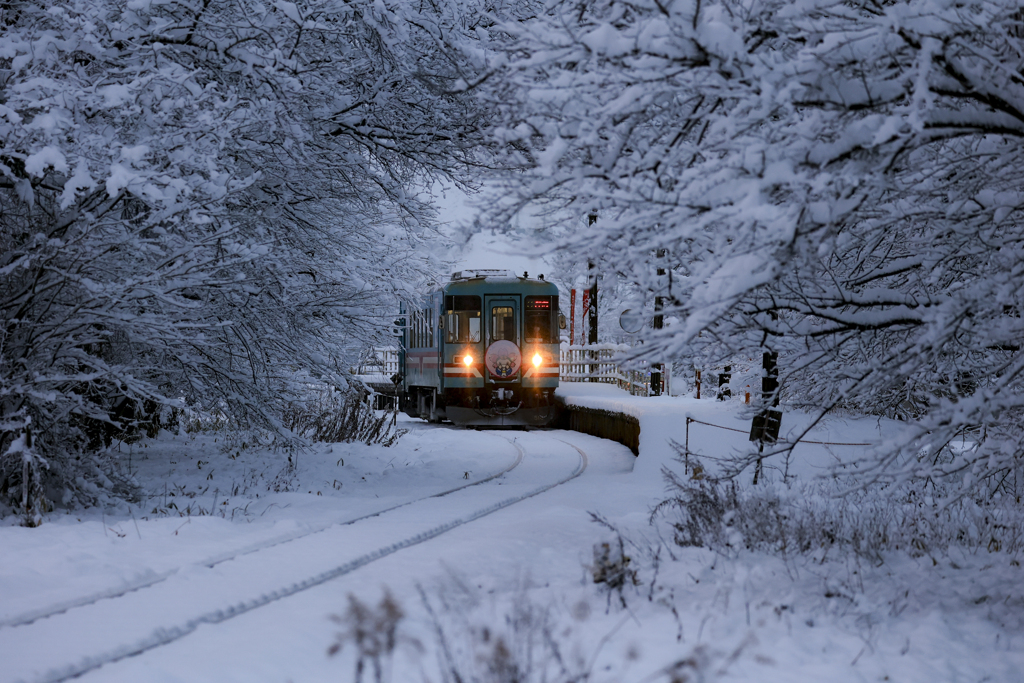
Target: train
(482,350)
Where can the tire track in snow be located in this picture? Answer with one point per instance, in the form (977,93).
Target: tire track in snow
(164,636)
(152,579)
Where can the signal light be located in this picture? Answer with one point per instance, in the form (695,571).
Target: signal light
(537,360)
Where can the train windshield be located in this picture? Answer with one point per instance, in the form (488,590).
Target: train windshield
(463,324)
(503,323)
(538,319)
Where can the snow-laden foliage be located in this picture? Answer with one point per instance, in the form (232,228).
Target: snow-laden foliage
(836,181)
(203,203)
(808,519)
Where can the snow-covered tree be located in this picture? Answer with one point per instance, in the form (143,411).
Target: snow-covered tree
(201,201)
(839,181)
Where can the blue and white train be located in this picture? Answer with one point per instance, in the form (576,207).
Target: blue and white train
(482,350)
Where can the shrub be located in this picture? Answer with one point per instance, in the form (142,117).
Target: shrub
(817,516)
(335,417)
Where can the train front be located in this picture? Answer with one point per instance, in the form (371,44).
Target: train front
(501,350)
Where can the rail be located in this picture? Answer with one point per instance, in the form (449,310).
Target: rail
(232,605)
(596,363)
(380,361)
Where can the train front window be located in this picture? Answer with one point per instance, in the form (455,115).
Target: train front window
(463,323)
(537,317)
(503,323)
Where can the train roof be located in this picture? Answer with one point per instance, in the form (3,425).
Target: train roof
(495,280)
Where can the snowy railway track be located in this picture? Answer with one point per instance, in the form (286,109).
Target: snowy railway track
(49,628)
(153,579)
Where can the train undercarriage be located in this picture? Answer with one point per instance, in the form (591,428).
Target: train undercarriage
(506,406)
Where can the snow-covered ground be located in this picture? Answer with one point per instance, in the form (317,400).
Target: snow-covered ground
(233,566)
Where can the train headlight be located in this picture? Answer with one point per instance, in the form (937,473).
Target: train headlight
(537,360)
(467,359)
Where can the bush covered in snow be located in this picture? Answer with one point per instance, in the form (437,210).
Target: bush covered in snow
(837,181)
(198,202)
(822,517)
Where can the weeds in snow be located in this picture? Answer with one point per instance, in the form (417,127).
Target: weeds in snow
(521,647)
(334,417)
(373,631)
(529,645)
(814,518)
(179,500)
(611,564)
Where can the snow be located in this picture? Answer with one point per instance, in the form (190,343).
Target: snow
(48,157)
(120,177)
(721,429)
(606,40)
(283,551)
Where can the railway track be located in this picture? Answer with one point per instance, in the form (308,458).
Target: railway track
(153,579)
(168,607)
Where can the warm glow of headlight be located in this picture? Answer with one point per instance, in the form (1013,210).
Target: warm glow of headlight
(467,359)
(537,360)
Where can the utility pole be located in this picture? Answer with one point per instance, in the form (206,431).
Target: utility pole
(659,322)
(592,277)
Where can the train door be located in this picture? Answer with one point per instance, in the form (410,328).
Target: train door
(437,303)
(502,357)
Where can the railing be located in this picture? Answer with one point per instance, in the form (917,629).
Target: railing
(594,363)
(379,362)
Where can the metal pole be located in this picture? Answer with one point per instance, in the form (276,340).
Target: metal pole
(592,276)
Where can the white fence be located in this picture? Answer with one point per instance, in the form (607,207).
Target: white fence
(379,362)
(594,364)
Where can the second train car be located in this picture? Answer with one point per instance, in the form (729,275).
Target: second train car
(482,350)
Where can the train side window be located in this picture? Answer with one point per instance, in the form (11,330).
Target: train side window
(463,326)
(503,323)
(537,318)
